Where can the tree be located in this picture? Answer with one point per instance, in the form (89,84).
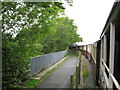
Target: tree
(31,29)
(17,16)
(23,27)
(64,35)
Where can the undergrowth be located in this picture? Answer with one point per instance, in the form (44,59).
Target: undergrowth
(84,70)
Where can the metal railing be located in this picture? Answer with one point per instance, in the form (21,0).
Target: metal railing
(41,62)
(107,80)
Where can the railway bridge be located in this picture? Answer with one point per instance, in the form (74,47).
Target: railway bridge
(100,58)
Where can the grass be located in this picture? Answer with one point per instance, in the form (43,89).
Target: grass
(84,69)
(85,73)
(74,79)
(32,83)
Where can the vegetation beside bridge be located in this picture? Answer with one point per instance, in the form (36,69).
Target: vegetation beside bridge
(32,29)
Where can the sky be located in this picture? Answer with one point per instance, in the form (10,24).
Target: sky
(90,16)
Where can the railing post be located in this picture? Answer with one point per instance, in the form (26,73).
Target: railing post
(71,81)
(79,70)
(77,74)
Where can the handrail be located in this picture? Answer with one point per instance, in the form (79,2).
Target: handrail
(93,58)
(111,75)
(115,82)
(105,65)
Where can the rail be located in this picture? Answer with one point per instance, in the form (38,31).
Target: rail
(111,76)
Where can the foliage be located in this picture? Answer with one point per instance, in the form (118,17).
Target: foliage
(17,16)
(64,34)
(18,19)
(74,79)
(30,29)
(85,72)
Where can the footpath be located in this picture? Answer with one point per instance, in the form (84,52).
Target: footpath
(60,77)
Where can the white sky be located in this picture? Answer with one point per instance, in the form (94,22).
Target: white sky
(90,16)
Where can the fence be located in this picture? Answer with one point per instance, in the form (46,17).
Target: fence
(41,62)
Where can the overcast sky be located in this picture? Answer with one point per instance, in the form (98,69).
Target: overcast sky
(90,16)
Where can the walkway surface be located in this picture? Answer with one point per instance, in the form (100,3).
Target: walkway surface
(60,77)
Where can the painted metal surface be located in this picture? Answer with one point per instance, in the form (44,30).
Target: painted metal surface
(41,62)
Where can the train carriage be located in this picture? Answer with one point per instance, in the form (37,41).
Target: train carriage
(109,69)
(104,54)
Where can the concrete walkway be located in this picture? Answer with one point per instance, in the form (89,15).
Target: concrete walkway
(60,77)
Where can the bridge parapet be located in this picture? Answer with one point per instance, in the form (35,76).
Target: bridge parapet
(41,62)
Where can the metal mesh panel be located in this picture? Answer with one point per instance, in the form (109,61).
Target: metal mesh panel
(41,62)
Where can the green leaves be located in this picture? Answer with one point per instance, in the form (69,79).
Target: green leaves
(32,29)
(23,15)
(24,27)
(63,34)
